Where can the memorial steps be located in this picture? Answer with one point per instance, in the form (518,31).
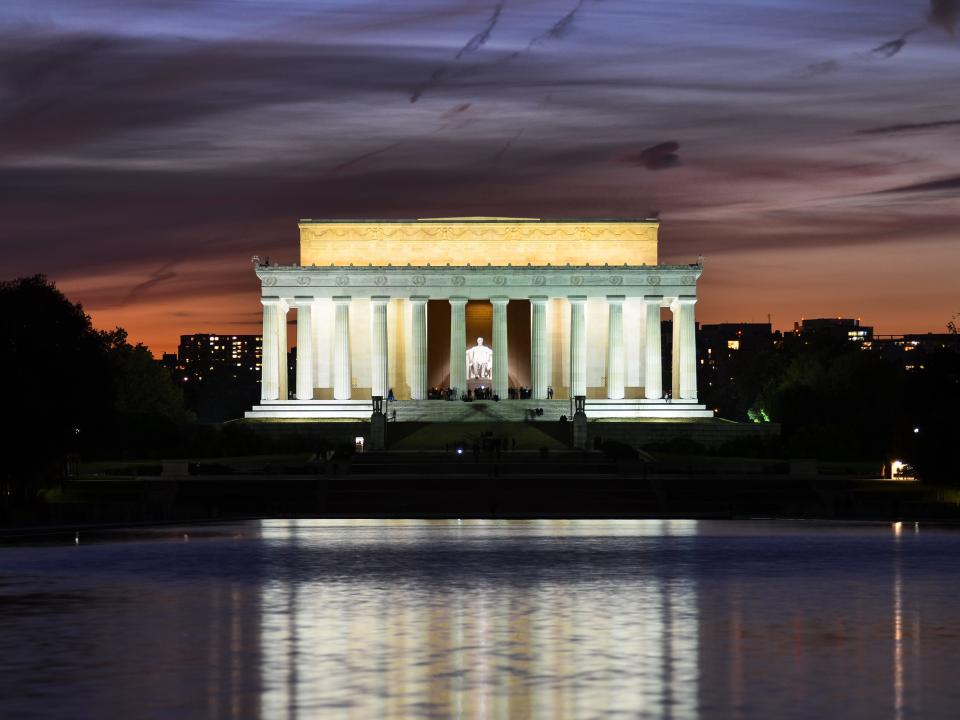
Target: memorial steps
(477,410)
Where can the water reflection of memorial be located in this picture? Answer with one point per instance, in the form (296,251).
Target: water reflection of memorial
(474,635)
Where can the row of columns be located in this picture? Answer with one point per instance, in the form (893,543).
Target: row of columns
(274,384)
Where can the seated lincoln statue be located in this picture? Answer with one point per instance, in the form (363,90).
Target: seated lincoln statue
(479,362)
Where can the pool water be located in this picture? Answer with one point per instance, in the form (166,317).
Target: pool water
(485,619)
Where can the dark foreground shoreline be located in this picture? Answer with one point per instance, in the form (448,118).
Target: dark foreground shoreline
(494,491)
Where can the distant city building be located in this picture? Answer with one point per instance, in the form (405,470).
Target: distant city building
(170,362)
(840,328)
(722,339)
(203,353)
(720,344)
(912,351)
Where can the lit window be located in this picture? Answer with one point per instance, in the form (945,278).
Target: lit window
(733,344)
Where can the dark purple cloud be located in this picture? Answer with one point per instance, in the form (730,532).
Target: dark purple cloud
(363,156)
(480,39)
(947,184)
(892,47)
(448,73)
(657,157)
(909,127)
(944,13)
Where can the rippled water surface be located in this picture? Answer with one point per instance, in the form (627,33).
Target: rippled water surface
(485,619)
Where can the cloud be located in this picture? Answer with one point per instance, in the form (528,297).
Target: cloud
(161,274)
(457,109)
(365,156)
(480,39)
(556,31)
(892,47)
(472,45)
(908,127)
(562,26)
(944,13)
(821,68)
(931,186)
(507,145)
(69,91)
(657,157)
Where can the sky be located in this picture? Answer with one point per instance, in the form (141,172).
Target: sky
(808,149)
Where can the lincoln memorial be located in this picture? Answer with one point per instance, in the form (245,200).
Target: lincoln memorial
(529,312)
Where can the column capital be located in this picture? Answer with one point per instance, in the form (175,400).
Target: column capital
(302,301)
(651,299)
(418,299)
(576,299)
(457,300)
(380,299)
(538,298)
(686,299)
(272,301)
(616,299)
(500,300)
(341,299)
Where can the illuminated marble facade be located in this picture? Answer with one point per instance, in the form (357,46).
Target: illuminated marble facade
(594,288)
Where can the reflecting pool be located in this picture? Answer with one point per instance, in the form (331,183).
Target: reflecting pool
(484,619)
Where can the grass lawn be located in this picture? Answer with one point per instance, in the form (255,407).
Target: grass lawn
(100,467)
(439,435)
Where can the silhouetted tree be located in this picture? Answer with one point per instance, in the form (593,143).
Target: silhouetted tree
(70,388)
(837,401)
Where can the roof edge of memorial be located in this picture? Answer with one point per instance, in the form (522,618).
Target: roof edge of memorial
(481,220)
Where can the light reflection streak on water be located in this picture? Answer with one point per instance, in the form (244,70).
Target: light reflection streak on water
(897,624)
(476,650)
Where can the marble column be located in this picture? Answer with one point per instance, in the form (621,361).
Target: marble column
(653,382)
(418,348)
(539,352)
(342,374)
(684,348)
(615,350)
(675,351)
(641,344)
(501,370)
(305,363)
(578,346)
(378,347)
(273,360)
(458,345)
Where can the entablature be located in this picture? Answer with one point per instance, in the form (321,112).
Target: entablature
(478,282)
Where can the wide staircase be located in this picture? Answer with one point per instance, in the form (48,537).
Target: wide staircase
(477,410)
